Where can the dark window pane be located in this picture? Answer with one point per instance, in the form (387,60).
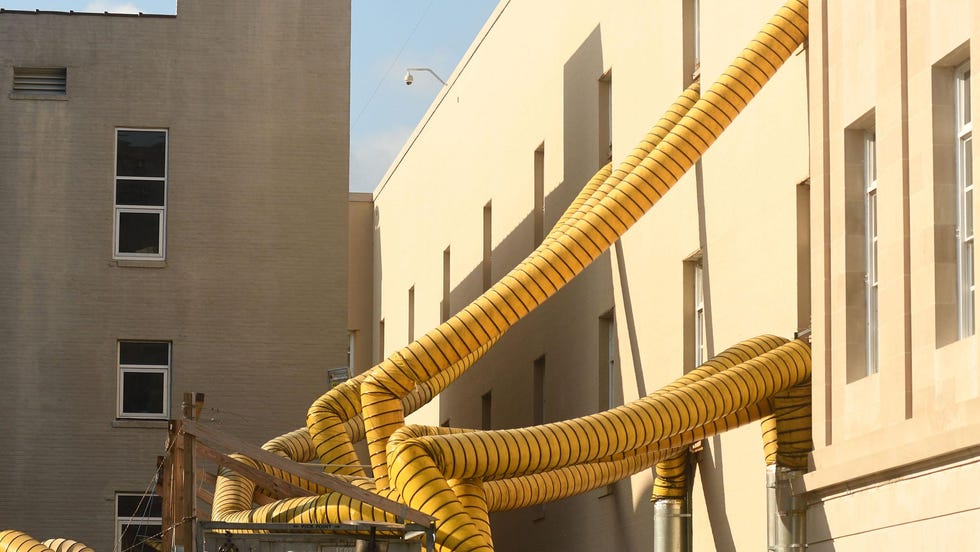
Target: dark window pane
(139,192)
(139,232)
(141,537)
(139,506)
(135,352)
(141,153)
(142,392)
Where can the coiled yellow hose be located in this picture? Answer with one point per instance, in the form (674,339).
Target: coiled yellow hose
(15,541)
(459,476)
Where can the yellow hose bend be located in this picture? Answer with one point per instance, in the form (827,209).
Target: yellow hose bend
(786,433)
(422,461)
(15,541)
(66,545)
(671,480)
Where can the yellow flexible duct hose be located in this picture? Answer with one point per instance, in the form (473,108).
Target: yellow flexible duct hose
(594,225)
(671,480)
(65,545)
(15,541)
(423,460)
(786,434)
(459,476)
(553,265)
(486,316)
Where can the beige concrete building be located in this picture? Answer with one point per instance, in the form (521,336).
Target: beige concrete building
(779,228)
(173,217)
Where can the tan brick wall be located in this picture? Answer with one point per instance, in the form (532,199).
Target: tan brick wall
(253,291)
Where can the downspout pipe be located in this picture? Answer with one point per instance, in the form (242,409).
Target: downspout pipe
(786,510)
(670,525)
(671,519)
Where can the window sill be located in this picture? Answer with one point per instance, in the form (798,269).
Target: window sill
(23,96)
(140,424)
(138,263)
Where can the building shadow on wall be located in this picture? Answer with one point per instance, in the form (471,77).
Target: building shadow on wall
(712,473)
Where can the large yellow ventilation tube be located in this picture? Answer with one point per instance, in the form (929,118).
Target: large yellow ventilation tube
(459,476)
(493,470)
(15,541)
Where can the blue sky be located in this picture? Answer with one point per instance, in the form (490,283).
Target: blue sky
(387,36)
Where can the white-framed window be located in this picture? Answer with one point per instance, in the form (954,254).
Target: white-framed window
(144,379)
(965,280)
(139,526)
(140,219)
(871,251)
(700,324)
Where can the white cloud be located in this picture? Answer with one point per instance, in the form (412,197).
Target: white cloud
(111,7)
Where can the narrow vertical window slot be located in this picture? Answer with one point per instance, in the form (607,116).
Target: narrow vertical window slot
(539,195)
(486,407)
(605,118)
(965,281)
(487,245)
(444,306)
(539,390)
(871,250)
(411,314)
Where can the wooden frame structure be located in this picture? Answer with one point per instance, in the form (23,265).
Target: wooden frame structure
(183,484)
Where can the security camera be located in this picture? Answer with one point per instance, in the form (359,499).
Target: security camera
(408,79)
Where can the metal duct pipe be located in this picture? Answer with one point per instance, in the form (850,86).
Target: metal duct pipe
(669,525)
(671,518)
(786,510)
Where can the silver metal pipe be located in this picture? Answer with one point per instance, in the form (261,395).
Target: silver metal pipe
(786,511)
(670,525)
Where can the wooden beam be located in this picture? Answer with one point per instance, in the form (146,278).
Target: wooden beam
(214,438)
(208,478)
(205,495)
(282,488)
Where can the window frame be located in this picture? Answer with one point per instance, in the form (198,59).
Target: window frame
(965,252)
(121,520)
(871,251)
(122,369)
(120,209)
(700,316)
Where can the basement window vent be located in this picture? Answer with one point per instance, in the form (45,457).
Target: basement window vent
(41,81)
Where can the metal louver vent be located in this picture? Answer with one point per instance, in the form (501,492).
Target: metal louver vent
(41,80)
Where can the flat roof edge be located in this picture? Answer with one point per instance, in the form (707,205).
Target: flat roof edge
(102,14)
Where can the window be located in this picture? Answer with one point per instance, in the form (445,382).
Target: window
(539,195)
(141,194)
(965,281)
(691,19)
(139,527)
(40,81)
(486,403)
(411,314)
(444,307)
(695,313)
(487,245)
(351,350)
(538,390)
(144,379)
(610,394)
(700,320)
(871,251)
(605,118)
